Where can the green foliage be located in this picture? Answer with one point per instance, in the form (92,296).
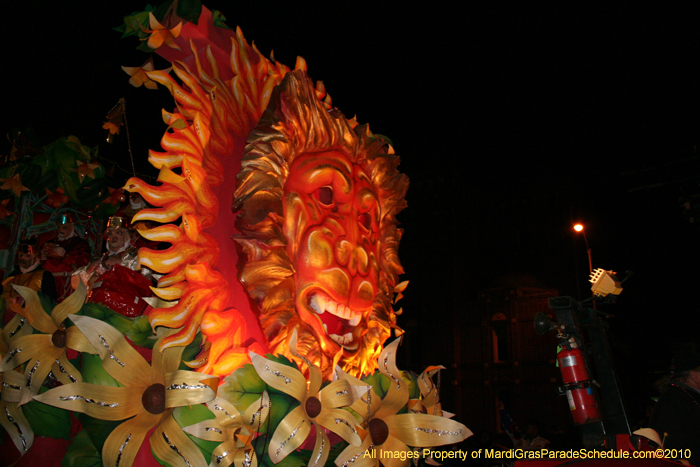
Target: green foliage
(411,379)
(82,452)
(297,458)
(244,387)
(94,373)
(189,10)
(191,351)
(98,430)
(137,329)
(186,416)
(218,19)
(133,22)
(46,420)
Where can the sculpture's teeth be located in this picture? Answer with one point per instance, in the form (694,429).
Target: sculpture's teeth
(342,340)
(317,304)
(355,320)
(331,307)
(325,327)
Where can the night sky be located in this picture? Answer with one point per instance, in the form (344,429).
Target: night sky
(512,120)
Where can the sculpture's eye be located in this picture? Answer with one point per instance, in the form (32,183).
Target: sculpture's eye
(365,220)
(324,195)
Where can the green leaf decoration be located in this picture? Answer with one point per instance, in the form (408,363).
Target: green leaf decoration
(98,430)
(187,416)
(298,458)
(189,10)
(138,329)
(411,379)
(380,383)
(31,175)
(218,19)
(94,373)
(133,22)
(191,351)
(244,387)
(82,452)
(46,420)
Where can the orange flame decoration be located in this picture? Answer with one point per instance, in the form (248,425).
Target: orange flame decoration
(210,114)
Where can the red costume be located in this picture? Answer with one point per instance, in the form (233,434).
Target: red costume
(77,255)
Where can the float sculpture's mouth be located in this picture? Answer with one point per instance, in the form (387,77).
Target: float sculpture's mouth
(339,321)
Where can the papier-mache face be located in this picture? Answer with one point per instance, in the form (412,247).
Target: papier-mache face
(336,247)
(318,197)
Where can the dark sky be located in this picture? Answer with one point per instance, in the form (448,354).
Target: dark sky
(512,119)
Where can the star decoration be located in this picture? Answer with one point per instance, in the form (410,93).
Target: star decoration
(116,195)
(55,199)
(159,34)
(112,127)
(85,169)
(13,183)
(140,77)
(4,212)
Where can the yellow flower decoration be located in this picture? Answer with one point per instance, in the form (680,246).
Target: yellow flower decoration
(389,434)
(14,389)
(233,430)
(139,76)
(429,401)
(149,394)
(159,34)
(13,184)
(319,407)
(46,351)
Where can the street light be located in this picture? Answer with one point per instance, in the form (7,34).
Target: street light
(579,228)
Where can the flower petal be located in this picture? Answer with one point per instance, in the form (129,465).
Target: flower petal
(339,394)
(226,414)
(210,430)
(26,347)
(166,360)
(322,448)
(227,453)
(289,435)
(72,304)
(281,377)
(184,387)
(426,430)
(361,456)
(17,426)
(36,371)
(64,370)
(119,358)
(103,402)
(390,452)
(397,395)
(33,310)
(16,328)
(367,405)
(124,442)
(341,423)
(76,340)
(258,411)
(171,445)
(14,384)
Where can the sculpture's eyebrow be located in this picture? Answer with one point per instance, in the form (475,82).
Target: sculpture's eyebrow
(345,176)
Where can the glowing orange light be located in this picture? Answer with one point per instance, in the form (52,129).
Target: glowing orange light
(578,227)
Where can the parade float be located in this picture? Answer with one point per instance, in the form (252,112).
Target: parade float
(272,336)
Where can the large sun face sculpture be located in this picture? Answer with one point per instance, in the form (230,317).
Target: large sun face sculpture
(318,196)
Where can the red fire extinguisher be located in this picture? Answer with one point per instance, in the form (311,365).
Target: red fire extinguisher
(577,385)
